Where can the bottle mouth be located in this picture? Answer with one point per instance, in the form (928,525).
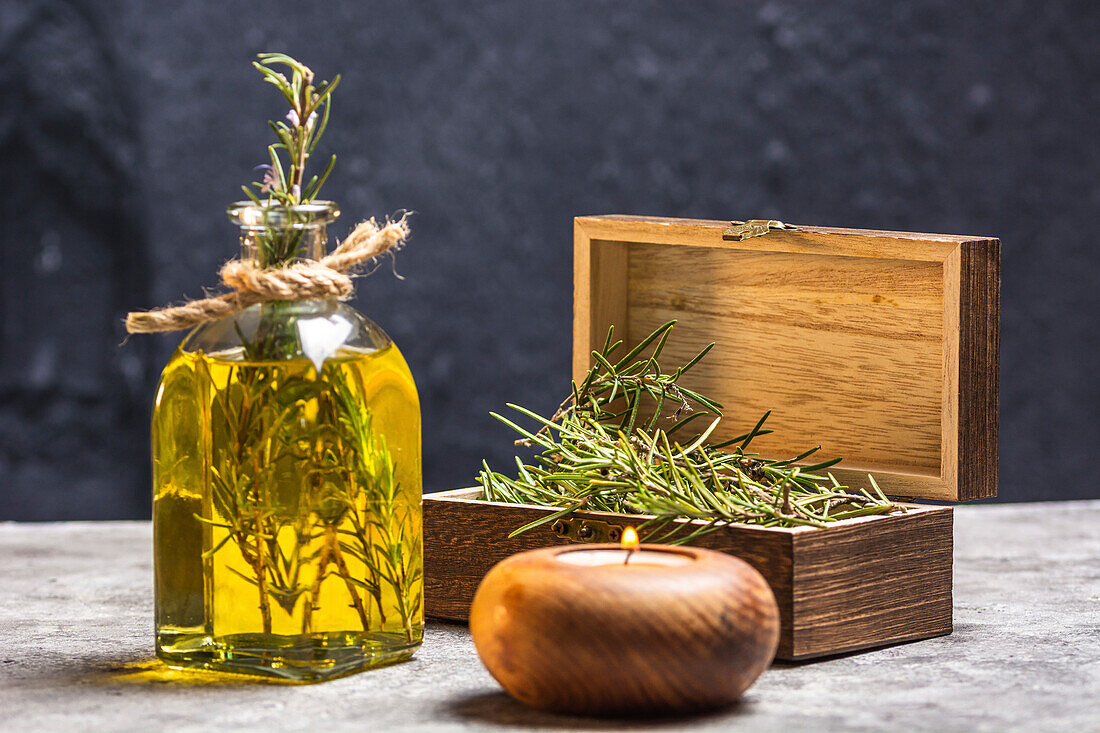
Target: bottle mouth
(250,215)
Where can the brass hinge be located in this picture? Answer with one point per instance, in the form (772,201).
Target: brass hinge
(739,232)
(586,530)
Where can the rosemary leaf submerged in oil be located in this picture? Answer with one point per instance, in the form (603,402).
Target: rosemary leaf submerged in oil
(606,449)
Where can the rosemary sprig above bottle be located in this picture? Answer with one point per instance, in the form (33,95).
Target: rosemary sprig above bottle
(284,185)
(605,449)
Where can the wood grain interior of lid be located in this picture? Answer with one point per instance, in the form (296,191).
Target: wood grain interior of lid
(882,347)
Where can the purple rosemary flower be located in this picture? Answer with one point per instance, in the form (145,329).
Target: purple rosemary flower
(295,121)
(270,182)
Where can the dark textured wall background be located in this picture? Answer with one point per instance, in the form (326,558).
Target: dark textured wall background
(126,128)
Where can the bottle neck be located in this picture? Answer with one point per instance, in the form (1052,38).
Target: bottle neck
(282,246)
(277,236)
(276,248)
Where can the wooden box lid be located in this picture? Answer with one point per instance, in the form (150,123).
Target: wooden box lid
(882,347)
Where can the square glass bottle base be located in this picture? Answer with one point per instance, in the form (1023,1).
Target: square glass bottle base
(299,658)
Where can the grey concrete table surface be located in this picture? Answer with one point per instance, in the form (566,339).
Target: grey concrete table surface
(76,631)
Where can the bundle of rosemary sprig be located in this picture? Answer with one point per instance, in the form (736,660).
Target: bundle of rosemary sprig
(605,449)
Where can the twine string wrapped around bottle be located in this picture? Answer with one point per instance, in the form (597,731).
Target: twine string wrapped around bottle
(329,277)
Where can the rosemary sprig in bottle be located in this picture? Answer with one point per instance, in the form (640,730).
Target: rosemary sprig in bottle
(605,449)
(285,187)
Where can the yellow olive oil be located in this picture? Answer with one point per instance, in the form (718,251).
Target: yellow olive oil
(287,513)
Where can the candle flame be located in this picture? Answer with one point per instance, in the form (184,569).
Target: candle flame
(630,539)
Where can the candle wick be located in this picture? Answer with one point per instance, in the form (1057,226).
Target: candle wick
(629,552)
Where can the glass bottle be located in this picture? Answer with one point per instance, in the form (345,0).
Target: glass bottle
(287,484)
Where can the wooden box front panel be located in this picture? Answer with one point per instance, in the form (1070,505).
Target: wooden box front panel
(880,347)
(886,578)
(858,584)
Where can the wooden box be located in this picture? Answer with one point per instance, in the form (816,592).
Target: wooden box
(882,347)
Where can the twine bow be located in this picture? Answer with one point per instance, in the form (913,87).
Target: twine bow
(329,277)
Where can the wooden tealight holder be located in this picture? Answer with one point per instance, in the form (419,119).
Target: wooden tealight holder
(881,347)
(598,630)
